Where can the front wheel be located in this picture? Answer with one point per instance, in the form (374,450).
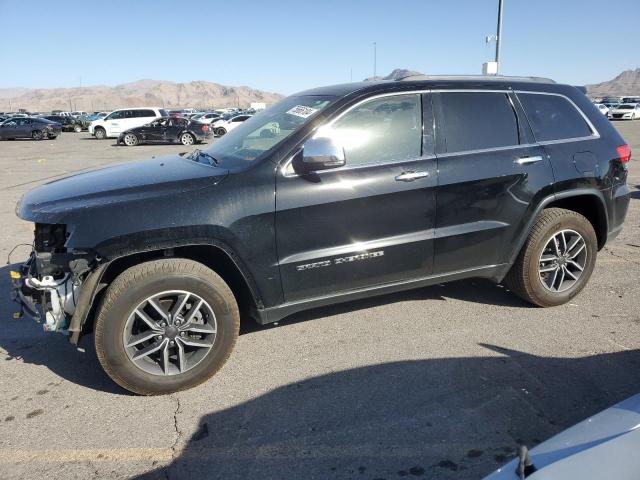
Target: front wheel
(130,140)
(100,133)
(187,139)
(37,135)
(557,259)
(166,325)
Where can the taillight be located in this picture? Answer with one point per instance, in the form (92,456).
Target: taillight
(205,128)
(624,153)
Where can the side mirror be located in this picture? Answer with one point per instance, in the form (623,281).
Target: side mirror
(322,154)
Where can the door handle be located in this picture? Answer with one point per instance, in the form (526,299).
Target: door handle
(411,176)
(528,160)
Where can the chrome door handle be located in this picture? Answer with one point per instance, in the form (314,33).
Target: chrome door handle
(411,176)
(528,160)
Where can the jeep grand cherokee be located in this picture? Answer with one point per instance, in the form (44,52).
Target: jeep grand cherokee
(330,195)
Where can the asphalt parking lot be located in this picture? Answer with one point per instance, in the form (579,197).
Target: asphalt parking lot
(441,382)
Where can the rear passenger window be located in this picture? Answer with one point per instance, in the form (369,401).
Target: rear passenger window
(475,120)
(553,117)
(144,113)
(380,130)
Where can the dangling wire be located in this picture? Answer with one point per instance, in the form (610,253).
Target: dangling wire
(14,248)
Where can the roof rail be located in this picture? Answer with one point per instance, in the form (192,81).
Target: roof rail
(482,78)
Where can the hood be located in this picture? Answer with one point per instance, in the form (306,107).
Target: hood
(601,447)
(126,182)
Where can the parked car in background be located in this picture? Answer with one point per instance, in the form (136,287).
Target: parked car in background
(603,108)
(208,117)
(78,113)
(221,127)
(167,130)
(68,124)
(28,127)
(625,111)
(97,116)
(118,121)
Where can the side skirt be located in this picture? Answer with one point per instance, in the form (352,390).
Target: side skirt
(274,314)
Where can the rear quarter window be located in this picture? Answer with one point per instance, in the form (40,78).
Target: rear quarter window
(553,117)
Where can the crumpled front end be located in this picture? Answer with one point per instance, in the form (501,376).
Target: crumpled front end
(47,286)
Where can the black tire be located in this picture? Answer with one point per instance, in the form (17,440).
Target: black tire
(138,283)
(525,280)
(130,139)
(187,139)
(100,133)
(221,131)
(37,135)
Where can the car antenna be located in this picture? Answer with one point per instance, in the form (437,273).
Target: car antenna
(525,465)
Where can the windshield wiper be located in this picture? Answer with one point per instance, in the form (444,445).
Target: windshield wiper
(197,153)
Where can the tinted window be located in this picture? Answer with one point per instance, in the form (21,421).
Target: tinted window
(143,113)
(475,120)
(116,115)
(380,130)
(553,117)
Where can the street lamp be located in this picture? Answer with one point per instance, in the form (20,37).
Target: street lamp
(493,68)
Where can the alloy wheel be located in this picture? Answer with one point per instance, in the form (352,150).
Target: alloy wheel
(562,261)
(130,139)
(169,333)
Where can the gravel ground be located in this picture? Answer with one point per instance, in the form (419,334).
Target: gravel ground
(441,382)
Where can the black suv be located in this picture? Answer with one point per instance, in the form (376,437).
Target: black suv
(332,194)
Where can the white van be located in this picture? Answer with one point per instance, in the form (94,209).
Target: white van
(118,121)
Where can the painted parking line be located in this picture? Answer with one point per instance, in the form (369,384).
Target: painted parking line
(98,454)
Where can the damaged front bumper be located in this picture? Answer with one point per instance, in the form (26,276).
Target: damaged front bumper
(45,297)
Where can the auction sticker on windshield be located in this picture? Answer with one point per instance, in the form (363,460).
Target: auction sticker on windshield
(302,111)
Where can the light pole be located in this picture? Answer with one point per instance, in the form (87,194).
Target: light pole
(493,68)
(499,35)
(374,59)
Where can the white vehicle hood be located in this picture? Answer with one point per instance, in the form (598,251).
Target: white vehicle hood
(604,446)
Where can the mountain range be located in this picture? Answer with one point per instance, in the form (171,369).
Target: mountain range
(202,94)
(627,83)
(156,93)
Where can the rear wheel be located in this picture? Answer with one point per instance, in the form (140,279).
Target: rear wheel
(166,325)
(100,133)
(557,259)
(37,135)
(221,131)
(130,139)
(187,139)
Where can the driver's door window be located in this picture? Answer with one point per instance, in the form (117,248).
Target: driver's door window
(381,130)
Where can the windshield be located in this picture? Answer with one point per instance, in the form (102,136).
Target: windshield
(260,133)
(626,107)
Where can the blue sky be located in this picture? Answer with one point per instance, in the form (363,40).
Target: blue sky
(286,46)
